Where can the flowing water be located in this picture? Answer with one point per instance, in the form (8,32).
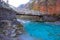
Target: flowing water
(42,30)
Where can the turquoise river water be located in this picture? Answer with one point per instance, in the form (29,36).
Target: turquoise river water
(42,30)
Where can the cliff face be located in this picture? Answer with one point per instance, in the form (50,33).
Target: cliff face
(46,6)
(7,14)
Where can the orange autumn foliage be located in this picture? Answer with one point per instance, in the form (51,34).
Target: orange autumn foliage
(50,8)
(54,9)
(58,6)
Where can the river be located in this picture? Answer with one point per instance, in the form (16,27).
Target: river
(41,30)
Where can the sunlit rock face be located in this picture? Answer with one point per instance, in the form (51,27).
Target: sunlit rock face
(44,6)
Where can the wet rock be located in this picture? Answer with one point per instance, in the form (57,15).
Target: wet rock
(11,30)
